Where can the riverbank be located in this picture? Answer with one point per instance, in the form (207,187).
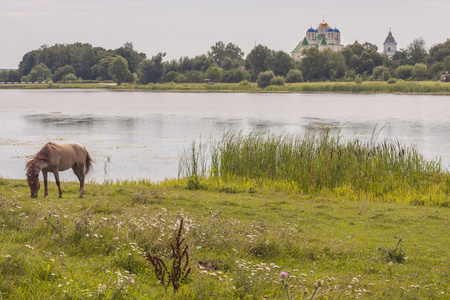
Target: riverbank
(239,244)
(401,87)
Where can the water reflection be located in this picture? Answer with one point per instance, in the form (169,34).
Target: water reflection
(142,133)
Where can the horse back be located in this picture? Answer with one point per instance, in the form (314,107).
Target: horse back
(69,154)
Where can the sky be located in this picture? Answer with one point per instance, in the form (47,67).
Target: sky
(190,27)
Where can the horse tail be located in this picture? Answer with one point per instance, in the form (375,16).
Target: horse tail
(88,164)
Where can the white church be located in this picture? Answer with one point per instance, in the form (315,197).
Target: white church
(324,37)
(390,45)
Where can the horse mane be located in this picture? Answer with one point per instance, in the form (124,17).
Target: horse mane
(43,154)
(29,167)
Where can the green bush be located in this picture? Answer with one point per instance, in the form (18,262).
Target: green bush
(294,76)
(279,80)
(404,72)
(170,76)
(380,73)
(264,79)
(392,81)
(180,78)
(420,71)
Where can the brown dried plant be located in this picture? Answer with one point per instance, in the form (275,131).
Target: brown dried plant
(178,273)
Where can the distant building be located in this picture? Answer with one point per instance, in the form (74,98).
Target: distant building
(389,45)
(323,37)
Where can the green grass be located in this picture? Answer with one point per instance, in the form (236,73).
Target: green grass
(319,164)
(407,87)
(239,242)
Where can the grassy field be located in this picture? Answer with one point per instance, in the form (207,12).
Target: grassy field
(240,241)
(411,87)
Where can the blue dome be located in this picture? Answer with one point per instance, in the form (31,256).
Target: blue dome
(311,30)
(336,30)
(330,30)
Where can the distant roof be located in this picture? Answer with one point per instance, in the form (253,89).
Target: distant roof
(311,30)
(305,42)
(336,30)
(302,43)
(330,30)
(390,38)
(323,41)
(324,24)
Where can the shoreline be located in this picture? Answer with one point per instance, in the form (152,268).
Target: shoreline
(369,87)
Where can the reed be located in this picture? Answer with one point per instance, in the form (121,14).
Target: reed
(325,162)
(404,87)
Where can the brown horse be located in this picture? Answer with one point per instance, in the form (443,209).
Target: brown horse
(54,158)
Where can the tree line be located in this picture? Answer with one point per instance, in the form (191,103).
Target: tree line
(227,63)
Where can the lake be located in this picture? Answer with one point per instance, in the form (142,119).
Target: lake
(139,135)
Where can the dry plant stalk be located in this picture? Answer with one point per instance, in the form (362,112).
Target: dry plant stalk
(179,271)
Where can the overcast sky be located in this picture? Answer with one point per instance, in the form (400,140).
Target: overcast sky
(191,27)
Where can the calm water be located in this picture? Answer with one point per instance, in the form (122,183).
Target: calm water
(133,135)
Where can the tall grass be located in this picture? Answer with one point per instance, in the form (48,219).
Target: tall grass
(315,163)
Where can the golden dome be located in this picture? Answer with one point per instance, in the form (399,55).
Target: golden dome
(324,24)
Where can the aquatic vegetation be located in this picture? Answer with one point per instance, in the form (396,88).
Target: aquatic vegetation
(321,163)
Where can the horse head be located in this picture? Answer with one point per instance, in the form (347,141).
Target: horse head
(33,179)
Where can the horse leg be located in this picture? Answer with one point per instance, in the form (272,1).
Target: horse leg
(56,173)
(45,173)
(79,172)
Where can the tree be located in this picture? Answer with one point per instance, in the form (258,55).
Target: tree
(133,57)
(362,58)
(151,70)
(264,78)
(294,75)
(27,63)
(194,76)
(69,77)
(404,72)
(416,51)
(258,60)
(400,57)
(4,76)
(313,65)
(86,60)
(335,66)
(62,71)
(13,76)
(381,73)
(40,73)
(170,76)
(201,63)
(420,71)
(439,52)
(214,73)
(118,70)
(219,52)
(172,65)
(185,64)
(100,71)
(277,80)
(282,63)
